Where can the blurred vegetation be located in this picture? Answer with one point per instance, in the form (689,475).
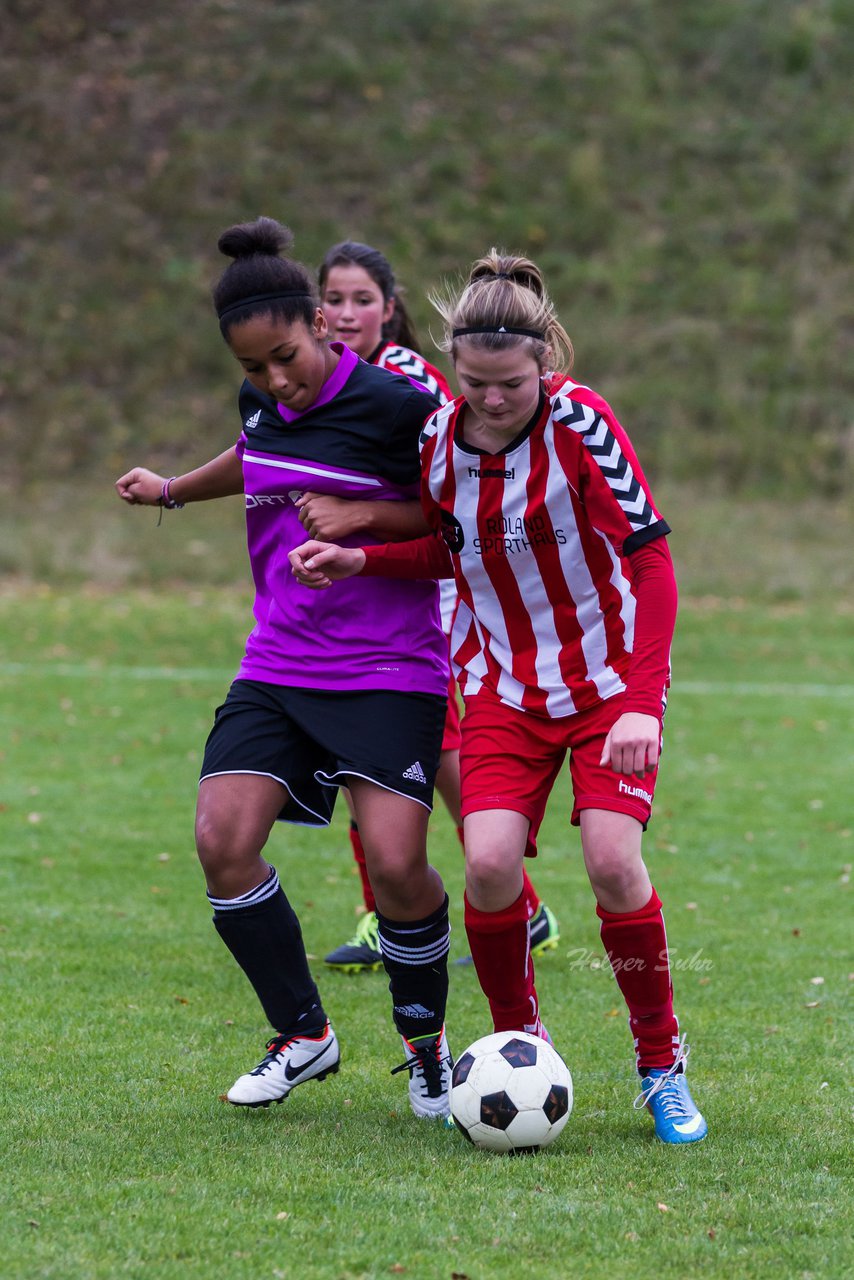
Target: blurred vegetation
(682,172)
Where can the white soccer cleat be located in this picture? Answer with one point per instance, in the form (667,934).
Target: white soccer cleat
(290,1060)
(429,1063)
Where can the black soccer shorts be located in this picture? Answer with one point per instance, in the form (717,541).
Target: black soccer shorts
(313,740)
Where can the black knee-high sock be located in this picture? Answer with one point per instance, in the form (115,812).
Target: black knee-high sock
(262,932)
(415,955)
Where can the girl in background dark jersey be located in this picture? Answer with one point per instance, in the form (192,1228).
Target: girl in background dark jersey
(561,642)
(364,307)
(291,729)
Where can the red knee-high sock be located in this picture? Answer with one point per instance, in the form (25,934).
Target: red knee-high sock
(533,898)
(501,949)
(636,944)
(359,855)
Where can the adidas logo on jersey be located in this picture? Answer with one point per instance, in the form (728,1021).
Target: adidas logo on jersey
(251,423)
(415,773)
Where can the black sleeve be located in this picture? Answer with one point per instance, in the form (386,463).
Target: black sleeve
(402,464)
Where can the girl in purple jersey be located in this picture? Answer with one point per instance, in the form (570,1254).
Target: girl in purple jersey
(364,307)
(292,728)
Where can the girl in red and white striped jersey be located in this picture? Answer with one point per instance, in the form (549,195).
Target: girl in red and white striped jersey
(365,308)
(561,643)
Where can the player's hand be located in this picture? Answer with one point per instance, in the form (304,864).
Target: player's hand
(328,518)
(319,564)
(632,746)
(140,486)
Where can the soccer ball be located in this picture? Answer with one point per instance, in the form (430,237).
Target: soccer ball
(511,1092)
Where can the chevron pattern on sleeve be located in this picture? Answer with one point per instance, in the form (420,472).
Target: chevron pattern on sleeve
(604,448)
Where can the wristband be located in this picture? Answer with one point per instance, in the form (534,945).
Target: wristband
(165,498)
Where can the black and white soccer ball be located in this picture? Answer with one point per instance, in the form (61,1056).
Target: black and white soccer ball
(511,1092)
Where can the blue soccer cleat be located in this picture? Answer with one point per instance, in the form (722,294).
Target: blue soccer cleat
(666,1096)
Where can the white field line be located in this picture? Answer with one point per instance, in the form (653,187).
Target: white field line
(701,688)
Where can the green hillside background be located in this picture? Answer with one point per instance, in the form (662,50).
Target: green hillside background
(683,172)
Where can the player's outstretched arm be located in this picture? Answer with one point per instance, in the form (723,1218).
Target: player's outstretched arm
(319,564)
(222,477)
(632,745)
(328,518)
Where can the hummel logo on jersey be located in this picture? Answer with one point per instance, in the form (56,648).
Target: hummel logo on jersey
(415,773)
(251,423)
(491,473)
(414,1011)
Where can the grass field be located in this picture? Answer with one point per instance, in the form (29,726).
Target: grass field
(124,1020)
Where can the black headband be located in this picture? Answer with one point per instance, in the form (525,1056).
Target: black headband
(263,297)
(491,328)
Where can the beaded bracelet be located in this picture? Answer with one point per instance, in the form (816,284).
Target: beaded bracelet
(165,498)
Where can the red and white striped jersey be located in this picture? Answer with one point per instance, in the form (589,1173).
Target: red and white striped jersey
(539,537)
(408,362)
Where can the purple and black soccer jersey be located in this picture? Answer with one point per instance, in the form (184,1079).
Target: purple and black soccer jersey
(358,440)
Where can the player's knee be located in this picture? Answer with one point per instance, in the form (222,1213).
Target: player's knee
(612,875)
(220,848)
(487,870)
(397,877)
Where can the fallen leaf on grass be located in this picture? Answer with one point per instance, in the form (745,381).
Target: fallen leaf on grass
(397,1269)
(817,982)
(459,1275)
(663,1208)
(711,1233)
(283,1216)
(812,1004)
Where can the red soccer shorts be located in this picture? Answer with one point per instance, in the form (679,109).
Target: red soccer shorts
(510,759)
(452,738)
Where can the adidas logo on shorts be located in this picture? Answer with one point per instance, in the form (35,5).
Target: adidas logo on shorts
(415,773)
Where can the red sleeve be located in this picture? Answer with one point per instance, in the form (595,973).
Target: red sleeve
(655,618)
(426,557)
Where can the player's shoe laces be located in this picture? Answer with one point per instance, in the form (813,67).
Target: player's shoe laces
(362,952)
(666,1096)
(290,1060)
(429,1063)
(545,933)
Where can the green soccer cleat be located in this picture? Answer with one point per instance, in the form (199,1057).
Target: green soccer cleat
(545,934)
(362,953)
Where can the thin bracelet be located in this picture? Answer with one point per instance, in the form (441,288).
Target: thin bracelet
(166,500)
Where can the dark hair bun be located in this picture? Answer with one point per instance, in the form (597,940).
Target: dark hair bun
(264,235)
